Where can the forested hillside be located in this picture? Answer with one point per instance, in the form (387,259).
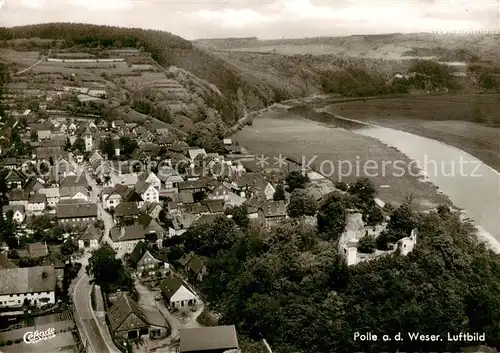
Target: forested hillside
(247,81)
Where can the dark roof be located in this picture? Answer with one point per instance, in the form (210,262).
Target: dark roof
(37,198)
(91,233)
(27,280)
(171,285)
(214,206)
(133,232)
(138,252)
(126,314)
(15,175)
(33,184)
(184,196)
(213,338)
(78,210)
(196,264)
(183,261)
(128,194)
(274,209)
(126,209)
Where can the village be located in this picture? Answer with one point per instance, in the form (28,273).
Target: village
(79,188)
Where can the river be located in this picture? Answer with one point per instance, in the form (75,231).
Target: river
(466,181)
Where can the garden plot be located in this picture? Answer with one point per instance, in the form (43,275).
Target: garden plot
(21,58)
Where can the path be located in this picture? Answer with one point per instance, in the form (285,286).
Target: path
(32,66)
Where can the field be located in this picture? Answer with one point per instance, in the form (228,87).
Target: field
(387,46)
(346,155)
(468,122)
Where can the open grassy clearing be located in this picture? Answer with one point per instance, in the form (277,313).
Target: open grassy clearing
(448,118)
(276,133)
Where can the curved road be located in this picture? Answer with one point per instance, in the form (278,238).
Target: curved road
(96,336)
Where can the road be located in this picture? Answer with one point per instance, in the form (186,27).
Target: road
(95,335)
(103,215)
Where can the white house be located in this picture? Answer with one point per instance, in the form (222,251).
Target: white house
(90,238)
(195,152)
(36,204)
(18,212)
(176,293)
(36,285)
(52,195)
(147,191)
(407,244)
(110,198)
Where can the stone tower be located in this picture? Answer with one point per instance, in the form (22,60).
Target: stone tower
(88,140)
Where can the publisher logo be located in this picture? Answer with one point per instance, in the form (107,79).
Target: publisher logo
(32,337)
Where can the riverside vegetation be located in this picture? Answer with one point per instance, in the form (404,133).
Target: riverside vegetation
(290,285)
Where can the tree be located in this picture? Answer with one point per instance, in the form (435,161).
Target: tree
(374,215)
(341,185)
(331,217)
(279,193)
(107,147)
(301,204)
(240,216)
(69,247)
(108,271)
(127,145)
(367,244)
(78,145)
(296,180)
(364,189)
(402,220)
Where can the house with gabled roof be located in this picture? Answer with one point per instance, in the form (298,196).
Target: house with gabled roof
(194,265)
(74,193)
(176,293)
(18,212)
(129,320)
(126,238)
(90,238)
(147,191)
(151,178)
(126,212)
(74,213)
(273,212)
(170,178)
(145,262)
(152,209)
(19,197)
(33,185)
(15,179)
(52,195)
(36,204)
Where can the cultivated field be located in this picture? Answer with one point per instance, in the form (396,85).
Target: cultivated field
(468,122)
(276,133)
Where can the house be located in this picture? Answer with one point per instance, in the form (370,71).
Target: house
(147,191)
(170,178)
(18,213)
(273,212)
(74,180)
(150,178)
(90,238)
(110,198)
(194,266)
(63,168)
(195,186)
(152,209)
(195,152)
(34,285)
(19,197)
(129,320)
(33,185)
(220,192)
(125,194)
(74,193)
(146,263)
(127,179)
(52,195)
(153,230)
(43,131)
(76,214)
(34,250)
(213,206)
(49,153)
(213,339)
(95,156)
(253,205)
(15,179)
(126,211)
(36,204)
(176,293)
(264,187)
(126,238)
(11,163)
(407,244)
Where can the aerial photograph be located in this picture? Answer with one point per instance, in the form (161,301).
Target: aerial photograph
(278,176)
